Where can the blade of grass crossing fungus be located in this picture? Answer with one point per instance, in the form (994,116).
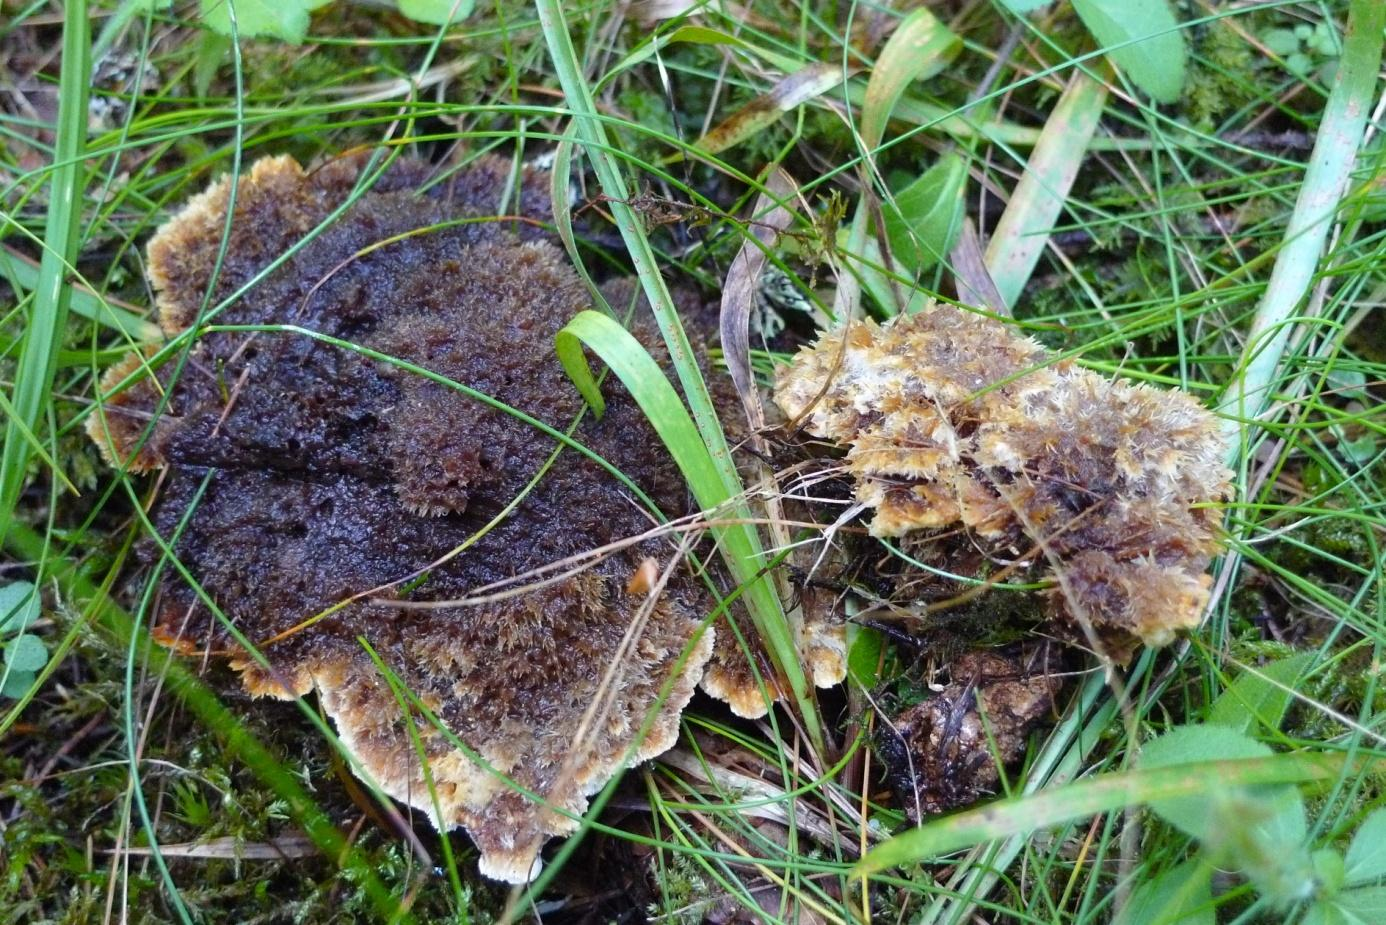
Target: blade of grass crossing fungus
(766,608)
(1326,177)
(637,370)
(53,292)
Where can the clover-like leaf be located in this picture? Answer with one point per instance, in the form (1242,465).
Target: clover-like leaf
(19,607)
(14,684)
(26,652)
(1366,856)
(437,12)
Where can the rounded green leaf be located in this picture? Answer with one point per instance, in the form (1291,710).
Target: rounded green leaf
(15,684)
(1143,39)
(282,19)
(1366,856)
(19,607)
(26,652)
(437,12)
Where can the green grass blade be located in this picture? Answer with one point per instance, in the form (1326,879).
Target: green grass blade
(766,608)
(53,293)
(1108,792)
(1326,178)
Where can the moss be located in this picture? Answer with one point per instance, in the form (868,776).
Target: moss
(1222,76)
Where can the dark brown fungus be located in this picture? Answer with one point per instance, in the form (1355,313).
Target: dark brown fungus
(950,419)
(333,483)
(949,750)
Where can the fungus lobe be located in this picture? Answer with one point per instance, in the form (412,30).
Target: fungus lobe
(950,420)
(316,492)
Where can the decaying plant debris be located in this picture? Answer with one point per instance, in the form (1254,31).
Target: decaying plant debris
(948,751)
(960,433)
(311,486)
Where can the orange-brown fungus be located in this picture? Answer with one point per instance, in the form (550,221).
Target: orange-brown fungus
(321,473)
(951,420)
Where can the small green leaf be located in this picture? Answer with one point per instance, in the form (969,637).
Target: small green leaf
(211,51)
(1364,906)
(19,607)
(1329,870)
(1348,382)
(1280,41)
(923,221)
(1143,39)
(26,652)
(1182,895)
(1021,7)
(864,645)
(437,12)
(15,684)
(1208,817)
(1260,696)
(281,19)
(1366,856)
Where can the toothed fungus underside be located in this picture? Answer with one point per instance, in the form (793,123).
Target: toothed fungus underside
(951,420)
(333,483)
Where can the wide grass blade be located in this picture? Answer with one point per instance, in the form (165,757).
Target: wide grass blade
(1022,815)
(1038,199)
(1326,177)
(767,610)
(85,302)
(38,355)
(647,384)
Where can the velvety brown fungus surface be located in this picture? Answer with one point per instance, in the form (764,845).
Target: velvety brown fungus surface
(324,476)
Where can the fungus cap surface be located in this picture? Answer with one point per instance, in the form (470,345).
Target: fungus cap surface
(332,492)
(950,419)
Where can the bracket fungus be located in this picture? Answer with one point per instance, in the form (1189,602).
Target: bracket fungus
(327,484)
(950,420)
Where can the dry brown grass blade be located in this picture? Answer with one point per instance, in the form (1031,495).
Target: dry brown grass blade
(768,219)
(283,848)
(972,278)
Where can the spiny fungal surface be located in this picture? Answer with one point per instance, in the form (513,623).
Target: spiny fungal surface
(950,420)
